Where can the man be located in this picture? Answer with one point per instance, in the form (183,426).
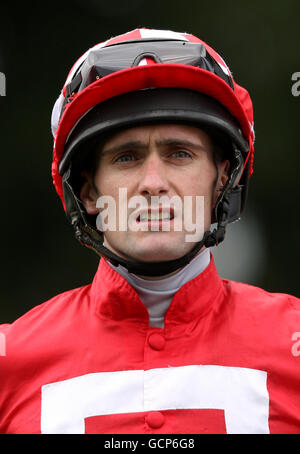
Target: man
(153,143)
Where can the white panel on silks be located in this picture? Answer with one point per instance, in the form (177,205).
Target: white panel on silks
(67,403)
(240,392)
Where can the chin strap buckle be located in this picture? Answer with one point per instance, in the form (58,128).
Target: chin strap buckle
(215,237)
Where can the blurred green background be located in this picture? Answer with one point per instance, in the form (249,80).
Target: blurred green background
(39,43)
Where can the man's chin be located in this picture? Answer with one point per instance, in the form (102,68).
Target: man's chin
(154,256)
(152,253)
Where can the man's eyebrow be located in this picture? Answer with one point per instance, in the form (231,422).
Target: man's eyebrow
(132,144)
(136,144)
(179,142)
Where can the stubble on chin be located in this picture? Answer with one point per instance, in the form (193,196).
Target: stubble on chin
(153,249)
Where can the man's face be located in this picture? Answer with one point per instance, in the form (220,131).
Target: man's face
(154,161)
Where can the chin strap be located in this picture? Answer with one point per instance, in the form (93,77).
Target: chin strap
(159,268)
(93,239)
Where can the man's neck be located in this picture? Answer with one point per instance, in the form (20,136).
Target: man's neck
(150,278)
(157,294)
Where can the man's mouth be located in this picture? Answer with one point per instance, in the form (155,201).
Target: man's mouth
(156,215)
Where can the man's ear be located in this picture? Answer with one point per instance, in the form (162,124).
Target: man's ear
(223,173)
(223,170)
(89,195)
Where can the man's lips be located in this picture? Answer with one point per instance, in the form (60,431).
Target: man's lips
(155,215)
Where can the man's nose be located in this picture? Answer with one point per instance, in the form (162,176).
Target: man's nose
(153,178)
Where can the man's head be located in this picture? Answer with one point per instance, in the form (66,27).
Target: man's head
(159,162)
(166,102)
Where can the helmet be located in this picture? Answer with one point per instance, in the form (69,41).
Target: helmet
(163,76)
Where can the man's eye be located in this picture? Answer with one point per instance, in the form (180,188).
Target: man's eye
(181,154)
(125,158)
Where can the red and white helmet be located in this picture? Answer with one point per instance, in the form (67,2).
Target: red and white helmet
(147,76)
